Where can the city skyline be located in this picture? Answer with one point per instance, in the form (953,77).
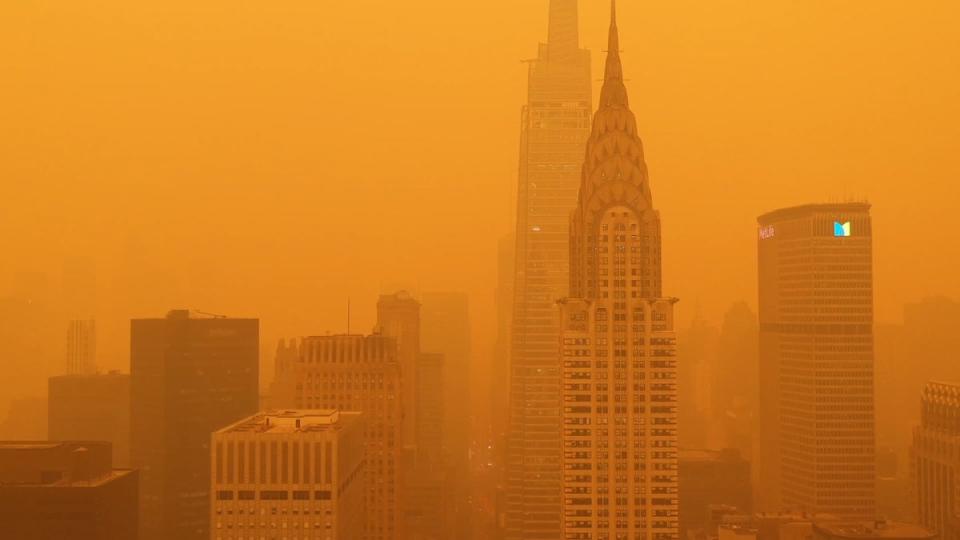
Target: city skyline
(724,130)
(290,271)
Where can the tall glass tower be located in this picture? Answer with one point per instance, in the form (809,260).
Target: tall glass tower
(555,125)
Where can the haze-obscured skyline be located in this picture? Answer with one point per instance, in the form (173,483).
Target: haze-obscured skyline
(271,160)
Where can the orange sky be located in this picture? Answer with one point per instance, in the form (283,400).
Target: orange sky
(270,158)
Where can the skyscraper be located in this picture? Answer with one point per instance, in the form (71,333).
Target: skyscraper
(817,439)
(618,408)
(297,471)
(935,465)
(398,316)
(65,490)
(555,124)
(445,323)
(82,348)
(356,373)
(188,378)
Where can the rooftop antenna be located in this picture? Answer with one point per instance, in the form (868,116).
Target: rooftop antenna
(348,315)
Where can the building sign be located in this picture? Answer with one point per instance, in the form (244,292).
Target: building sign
(767,232)
(841,229)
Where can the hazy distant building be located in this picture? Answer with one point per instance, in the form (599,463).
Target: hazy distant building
(424,498)
(500,369)
(26,420)
(734,401)
(923,348)
(67,490)
(431,414)
(188,378)
(296,471)
(696,355)
(618,340)
(356,373)
(816,428)
(82,348)
(710,478)
(935,460)
(555,124)
(445,329)
(398,316)
(91,408)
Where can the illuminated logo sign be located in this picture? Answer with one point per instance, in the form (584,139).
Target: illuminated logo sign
(767,232)
(841,229)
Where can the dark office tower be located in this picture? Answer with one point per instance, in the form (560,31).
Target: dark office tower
(91,408)
(816,429)
(734,402)
(555,124)
(935,465)
(708,479)
(618,375)
(357,373)
(188,378)
(82,348)
(445,329)
(65,490)
(398,316)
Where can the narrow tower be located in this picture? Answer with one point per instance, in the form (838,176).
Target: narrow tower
(555,124)
(618,388)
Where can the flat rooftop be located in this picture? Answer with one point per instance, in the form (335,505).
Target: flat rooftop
(56,464)
(293,421)
(874,529)
(809,209)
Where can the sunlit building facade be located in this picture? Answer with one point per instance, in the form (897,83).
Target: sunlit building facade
(355,373)
(288,473)
(816,432)
(935,460)
(555,125)
(619,412)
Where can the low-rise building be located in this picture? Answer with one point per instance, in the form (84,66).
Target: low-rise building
(296,471)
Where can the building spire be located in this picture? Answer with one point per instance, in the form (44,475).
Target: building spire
(614,93)
(563,33)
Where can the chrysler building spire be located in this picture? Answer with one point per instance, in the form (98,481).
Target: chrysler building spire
(614,92)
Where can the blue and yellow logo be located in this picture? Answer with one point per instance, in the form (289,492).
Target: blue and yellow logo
(841,229)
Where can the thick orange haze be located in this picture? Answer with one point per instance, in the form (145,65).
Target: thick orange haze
(272,158)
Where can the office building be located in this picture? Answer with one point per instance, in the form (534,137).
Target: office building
(555,124)
(82,348)
(189,376)
(67,490)
(296,471)
(709,480)
(91,408)
(816,431)
(357,373)
(398,316)
(618,394)
(445,329)
(935,460)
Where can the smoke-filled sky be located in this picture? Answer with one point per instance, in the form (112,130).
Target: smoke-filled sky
(272,158)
